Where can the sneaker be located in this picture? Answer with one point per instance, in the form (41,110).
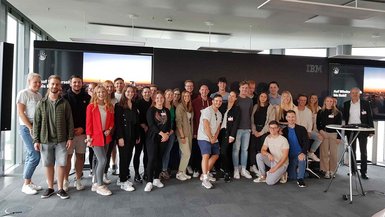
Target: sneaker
(62,194)
(227,177)
(79,185)
(118,182)
(246,174)
(66,185)
(207,184)
(209,177)
(236,174)
(157,183)
(260,179)
(138,179)
(127,186)
(148,187)
(327,175)
(301,183)
(196,174)
(189,170)
(164,175)
(36,187)
(283,179)
(47,193)
(94,187)
(106,180)
(28,189)
(103,190)
(254,169)
(312,156)
(180,176)
(187,176)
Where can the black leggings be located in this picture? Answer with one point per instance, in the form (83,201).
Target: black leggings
(125,155)
(155,151)
(226,151)
(196,157)
(138,150)
(255,147)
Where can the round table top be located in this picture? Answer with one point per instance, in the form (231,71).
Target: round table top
(344,127)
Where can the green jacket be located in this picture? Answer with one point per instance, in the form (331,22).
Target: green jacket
(64,122)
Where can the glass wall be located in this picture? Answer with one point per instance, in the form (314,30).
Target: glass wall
(318,52)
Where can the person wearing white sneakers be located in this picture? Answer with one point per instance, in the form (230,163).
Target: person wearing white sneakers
(184,131)
(208,132)
(159,126)
(127,134)
(26,104)
(242,138)
(99,124)
(274,154)
(315,135)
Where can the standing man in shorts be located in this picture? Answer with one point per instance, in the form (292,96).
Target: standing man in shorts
(53,129)
(208,131)
(78,99)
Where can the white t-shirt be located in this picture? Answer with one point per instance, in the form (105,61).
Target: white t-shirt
(355,113)
(305,118)
(214,118)
(29,99)
(276,145)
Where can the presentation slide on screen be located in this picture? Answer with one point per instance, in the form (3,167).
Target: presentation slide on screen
(98,67)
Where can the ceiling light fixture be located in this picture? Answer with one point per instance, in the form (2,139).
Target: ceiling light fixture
(109,42)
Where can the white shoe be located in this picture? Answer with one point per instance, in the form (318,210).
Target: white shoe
(180,176)
(118,182)
(246,174)
(207,184)
(127,186)
(253,169)
(148,187)
(157,183)
(79,185)
(259,179)
(187,176)
(94,187)
(28,189)
(196,174)
(283,179)
(36,187)
(210,177)
(106,180)
(312,156)
(189,170)
(103,190)
(236,174)
(66,185)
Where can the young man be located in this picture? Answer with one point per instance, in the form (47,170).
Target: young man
(299,144)
(358,111)
(208,131)
(118,85)
(222,83)
(189,87)
(78,99)
(242,139)
(274,154)
(53,129)
(274,97)
(251,92)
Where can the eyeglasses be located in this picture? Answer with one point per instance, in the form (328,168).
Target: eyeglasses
(273,128)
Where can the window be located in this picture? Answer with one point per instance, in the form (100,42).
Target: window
(318,52)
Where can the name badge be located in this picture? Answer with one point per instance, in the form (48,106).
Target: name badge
(331,116)
(230,118)
(163,113)
(363,112)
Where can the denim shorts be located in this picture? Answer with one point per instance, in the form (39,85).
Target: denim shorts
(208,148)
(52,153)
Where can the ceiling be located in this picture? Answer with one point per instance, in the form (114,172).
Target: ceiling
(230,24)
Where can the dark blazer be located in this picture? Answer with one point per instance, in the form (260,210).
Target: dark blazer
(302,136)
(126,123)
(233,118)
(366,113)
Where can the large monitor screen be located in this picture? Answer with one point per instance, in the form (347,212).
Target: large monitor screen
(98,67)
(374,90)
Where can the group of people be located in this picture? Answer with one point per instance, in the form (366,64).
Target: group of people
(237,132)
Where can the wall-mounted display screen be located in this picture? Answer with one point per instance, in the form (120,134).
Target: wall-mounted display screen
(98,67)
(374,90)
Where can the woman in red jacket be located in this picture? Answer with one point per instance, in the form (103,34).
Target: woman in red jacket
(99,124)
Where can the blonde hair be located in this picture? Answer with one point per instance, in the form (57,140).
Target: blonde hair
(283,107)
(313,107)
(335,110)
(107,100)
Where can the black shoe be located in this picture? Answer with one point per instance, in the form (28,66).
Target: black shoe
(364,176)
(301,183)
(138,179)
(62,194)
(227,177)
(47,193)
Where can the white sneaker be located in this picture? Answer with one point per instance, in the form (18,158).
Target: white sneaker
(207,184)
(180,176)
(196,174)
(187,176)
(66,185)
(103,190)
(236,174)
(283,179)
(36,187)
(94,187)
(106,180)
(259,179)
(157,183)
(127,186)
(28,189)
(79,185)
(211,177)
(148,187)
(245,174)
(312,156)
(118,182)
(189,170)
(327,175)
(253,169)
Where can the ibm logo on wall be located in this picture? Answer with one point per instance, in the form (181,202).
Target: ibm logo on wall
(313,68)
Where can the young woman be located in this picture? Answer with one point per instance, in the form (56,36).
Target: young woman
(231,116)
(26,104)
(329,114)
(263,113)
(159,127)
(168,103)
(286,105)
(127,134)
(315,135)
(177,97)
(184,131)
(99,124)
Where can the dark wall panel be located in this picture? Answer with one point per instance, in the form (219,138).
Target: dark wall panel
(6,72)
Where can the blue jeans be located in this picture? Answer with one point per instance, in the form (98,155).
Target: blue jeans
(241,143)
(296,168)
(166,155)
(32,157)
